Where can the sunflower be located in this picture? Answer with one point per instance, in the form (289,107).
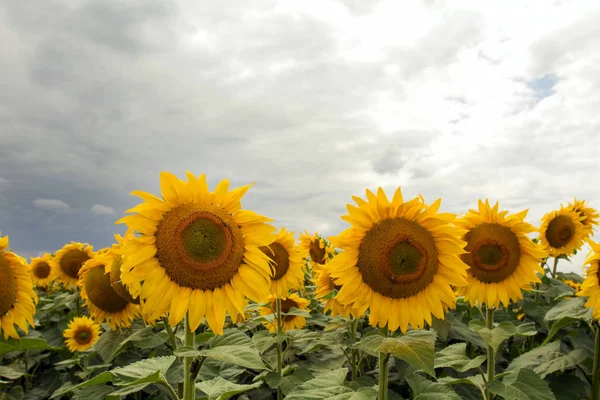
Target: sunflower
(562,232)
(325,285)
(102,300)
(587,215)
(503,259)
(81,334)
(590,287)
(400,259)
(572,284)
(17,297)
(41,270)
(287,263)
(289,321)
(316,247)
(69,260)
(197,252)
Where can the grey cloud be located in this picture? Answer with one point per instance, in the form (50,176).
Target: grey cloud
(52,204)
(100,209)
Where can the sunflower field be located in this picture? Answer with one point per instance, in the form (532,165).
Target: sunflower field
(202,299)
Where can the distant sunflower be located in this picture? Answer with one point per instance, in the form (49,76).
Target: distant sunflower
(69,260)
(41,270)
(128,292)
(562,232)
(81,334)
(103,302)
(573,285)
(324,286)
(289,321)
(287,263)
(590,287)
(587,215)
(503,259)
(400,259)
(198,252)
(316,247)
(17,297)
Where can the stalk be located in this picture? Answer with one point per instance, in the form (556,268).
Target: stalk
(279,347)
(554,268)
(383,371)
(491,361)
(189,388)
(354,356)
(595,389)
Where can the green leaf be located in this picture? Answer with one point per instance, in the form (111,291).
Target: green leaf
(146,338)
(454,356)
(99,392)
(148,370)
(569,387)
(561,323)
(528,386)
(503,331)
(245,356)
(572,308)
(263,340)
(459,330)
(131,388)
(99,379)
(109,345)
(186,351)
(416,347)
(25,344)
(364,393)
(325,386)
(231,337)
(424,389)
(546,359)
(221,389)
(297,312)
(10,373)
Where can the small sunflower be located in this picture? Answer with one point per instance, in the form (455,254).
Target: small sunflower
(562,232)
(587,215)
(81,334)
(104,303)
(17,297)
(69,260)
(572,284)
(400,259)
(325,285)
(503,259)
(289,321)
(41,270)
(590,287)
(317,248)
(287,263)
(197,252)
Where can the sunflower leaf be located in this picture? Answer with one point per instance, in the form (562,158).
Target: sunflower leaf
(147,370)
(245,356)
(503,331)
(25,344)
(10,373)
(424,389)
(231,337)
(454,356)
(326,386)
(545,360)
(109,345)
(416,347)
(561,323)
(221,389)
(573,308)
(527,386)
(99,379)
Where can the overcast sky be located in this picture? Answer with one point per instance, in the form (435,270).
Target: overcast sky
(315,101)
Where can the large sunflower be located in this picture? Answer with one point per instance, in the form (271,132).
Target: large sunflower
(289,321)
(287,263)
(17,297)
(325,285)
(41,270)
(104,303)
(197,252)
(69,260)
(503,259)
(590,287)
(399,258)
(562,232)
(81,334)
(587,215)
(316,247)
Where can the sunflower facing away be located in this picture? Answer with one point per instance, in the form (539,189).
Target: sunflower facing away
(289,321)
(316,247)
(104,303)
(588,216)
(69,260)
(400,259)
(325,285)
(41,270)
(562,232)
(17,298)
(81,334)
(503,259)
(287,263)
(590,287)
(197,252)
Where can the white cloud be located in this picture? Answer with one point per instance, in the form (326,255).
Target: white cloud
(99,209)
(52,204)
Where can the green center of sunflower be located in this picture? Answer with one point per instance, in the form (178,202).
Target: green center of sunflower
(83,337)
(280,257)
(494,252)
(397,258)
(100,292)
(71,262)
(286,306)
(317,254)
(41,270)
(8,286)
(117,285)
(560,231)
(199,246)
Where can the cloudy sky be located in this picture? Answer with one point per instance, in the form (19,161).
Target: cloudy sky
(315,101)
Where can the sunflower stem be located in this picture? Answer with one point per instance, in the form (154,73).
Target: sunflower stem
(383,370)
(554,268)
(354,355)
(595,389)
(491,361)
(279,347)
(189,388)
